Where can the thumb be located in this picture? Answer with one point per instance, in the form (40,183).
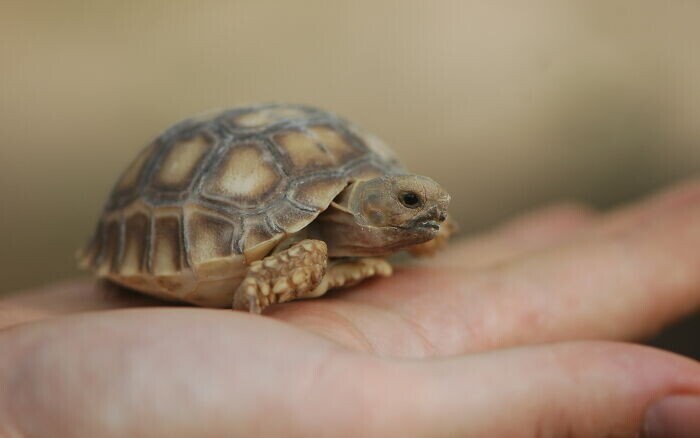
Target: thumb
(574,389)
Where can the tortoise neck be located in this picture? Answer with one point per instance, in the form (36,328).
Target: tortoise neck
(345,237)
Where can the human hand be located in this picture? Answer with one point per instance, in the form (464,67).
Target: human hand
(491,338)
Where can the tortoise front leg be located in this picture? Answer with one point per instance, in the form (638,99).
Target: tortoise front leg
(282,276)
(348,272)
(300,272)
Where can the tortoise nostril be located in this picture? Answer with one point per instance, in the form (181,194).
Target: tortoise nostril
(442,217)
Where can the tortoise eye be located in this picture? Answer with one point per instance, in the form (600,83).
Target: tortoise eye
(410,199)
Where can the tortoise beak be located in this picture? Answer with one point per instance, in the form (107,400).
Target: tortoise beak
(431,218)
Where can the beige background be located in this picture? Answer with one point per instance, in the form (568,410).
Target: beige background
(508,104)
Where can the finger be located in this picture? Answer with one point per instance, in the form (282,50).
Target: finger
(155,372)
(625,278)
(529,232)
(66,298)
(187,372)
(184,372)
(575,389)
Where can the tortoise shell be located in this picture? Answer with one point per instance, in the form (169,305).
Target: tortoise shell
(214,193)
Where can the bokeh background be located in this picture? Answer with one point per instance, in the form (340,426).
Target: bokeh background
(510,105)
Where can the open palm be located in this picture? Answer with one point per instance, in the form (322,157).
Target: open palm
(498,336)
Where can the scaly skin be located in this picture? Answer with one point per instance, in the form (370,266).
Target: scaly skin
(282,276)
(300,272)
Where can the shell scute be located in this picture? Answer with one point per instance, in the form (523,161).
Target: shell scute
(137,233)
(335,143)
(167,254)
(256,231)
(209,237)
(177,167)
(303,151)
(261,117)
(130,178)
(111,250)
(314,192)
(289,217)
(245,176)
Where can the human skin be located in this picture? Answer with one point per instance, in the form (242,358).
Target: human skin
(520,331)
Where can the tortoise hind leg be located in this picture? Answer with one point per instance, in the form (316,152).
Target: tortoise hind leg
(283,276)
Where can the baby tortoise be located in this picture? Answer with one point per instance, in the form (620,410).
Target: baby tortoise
(260,205)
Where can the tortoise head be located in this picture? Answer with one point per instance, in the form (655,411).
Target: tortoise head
(409,202)
(386,214)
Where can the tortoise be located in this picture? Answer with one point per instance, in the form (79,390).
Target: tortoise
(258,205)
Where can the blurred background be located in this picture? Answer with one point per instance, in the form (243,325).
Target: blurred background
(510,105)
